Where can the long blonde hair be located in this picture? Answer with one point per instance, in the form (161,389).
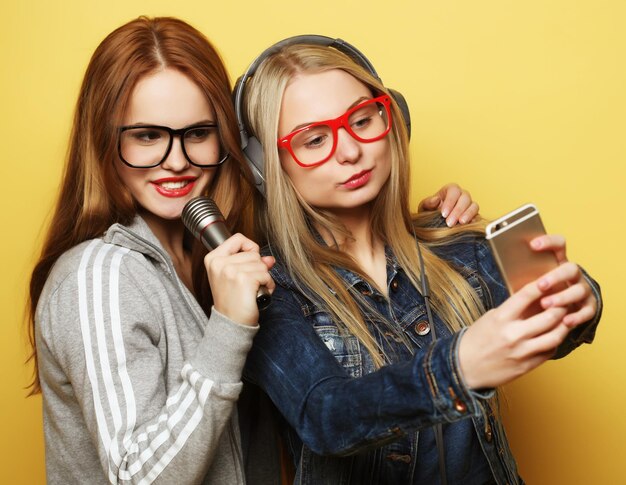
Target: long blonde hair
(92,196)
(289,217)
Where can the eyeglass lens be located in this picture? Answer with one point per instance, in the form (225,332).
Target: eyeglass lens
(148,146)
(315,144)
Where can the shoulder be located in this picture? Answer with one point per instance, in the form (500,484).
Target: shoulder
(472,257)
(70,264)
(96,256)
(288,287)
(279,272)
(93,284)
(290,297)
(465,250)
(92,270)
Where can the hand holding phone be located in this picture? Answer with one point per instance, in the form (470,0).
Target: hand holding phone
(538,316)
(509,238)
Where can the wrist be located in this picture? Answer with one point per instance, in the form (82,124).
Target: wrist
(464,361)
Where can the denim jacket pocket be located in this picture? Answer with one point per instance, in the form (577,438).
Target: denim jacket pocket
(345,348)
(475,281)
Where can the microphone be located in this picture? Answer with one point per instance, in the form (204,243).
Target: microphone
(203,219)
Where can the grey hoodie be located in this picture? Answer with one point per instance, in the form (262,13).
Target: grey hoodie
(139,386)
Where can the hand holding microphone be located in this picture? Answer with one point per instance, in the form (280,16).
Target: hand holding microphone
(203,219)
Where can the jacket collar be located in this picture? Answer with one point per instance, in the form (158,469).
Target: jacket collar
(138,237)
(350,279)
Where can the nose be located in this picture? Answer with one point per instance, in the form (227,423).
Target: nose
(348,149)
(175,160)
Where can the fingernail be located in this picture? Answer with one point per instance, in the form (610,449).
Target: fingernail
(536,244)
(450,221)
(543,284)
(463,220)
(444,213)
(547,302)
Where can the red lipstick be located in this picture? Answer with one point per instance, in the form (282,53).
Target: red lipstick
(174,186)
(357,180)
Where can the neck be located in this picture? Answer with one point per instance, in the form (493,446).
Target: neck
(171,234)
(362,245)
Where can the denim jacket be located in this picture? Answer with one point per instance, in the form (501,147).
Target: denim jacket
(348,423)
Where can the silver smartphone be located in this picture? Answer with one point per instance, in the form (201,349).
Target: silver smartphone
(509,238)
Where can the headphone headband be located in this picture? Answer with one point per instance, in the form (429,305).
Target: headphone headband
(310,39)
(251,147)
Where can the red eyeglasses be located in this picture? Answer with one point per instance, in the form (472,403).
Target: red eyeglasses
(314,144)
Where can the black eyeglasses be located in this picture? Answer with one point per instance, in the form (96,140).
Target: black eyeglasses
(148,146)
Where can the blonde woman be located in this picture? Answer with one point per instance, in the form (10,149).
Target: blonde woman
(347,350)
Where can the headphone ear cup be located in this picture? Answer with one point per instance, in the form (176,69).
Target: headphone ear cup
(254,156)
(404,108)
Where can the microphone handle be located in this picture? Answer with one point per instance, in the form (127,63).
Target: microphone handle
(216,236)
(263,298)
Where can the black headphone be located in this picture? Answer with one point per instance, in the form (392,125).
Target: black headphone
(252,148)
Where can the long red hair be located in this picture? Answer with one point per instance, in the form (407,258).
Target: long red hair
(92,196)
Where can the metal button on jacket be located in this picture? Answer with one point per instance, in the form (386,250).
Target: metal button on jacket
(460,406)
(422,328)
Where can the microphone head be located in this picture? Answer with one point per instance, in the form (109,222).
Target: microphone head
(203,219)
(199,213)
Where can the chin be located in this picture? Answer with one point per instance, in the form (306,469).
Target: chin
(366,197)
(169,215)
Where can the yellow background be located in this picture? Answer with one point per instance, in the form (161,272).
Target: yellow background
(517,101)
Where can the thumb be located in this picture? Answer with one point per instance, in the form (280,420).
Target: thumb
(519,301)
(269,261)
